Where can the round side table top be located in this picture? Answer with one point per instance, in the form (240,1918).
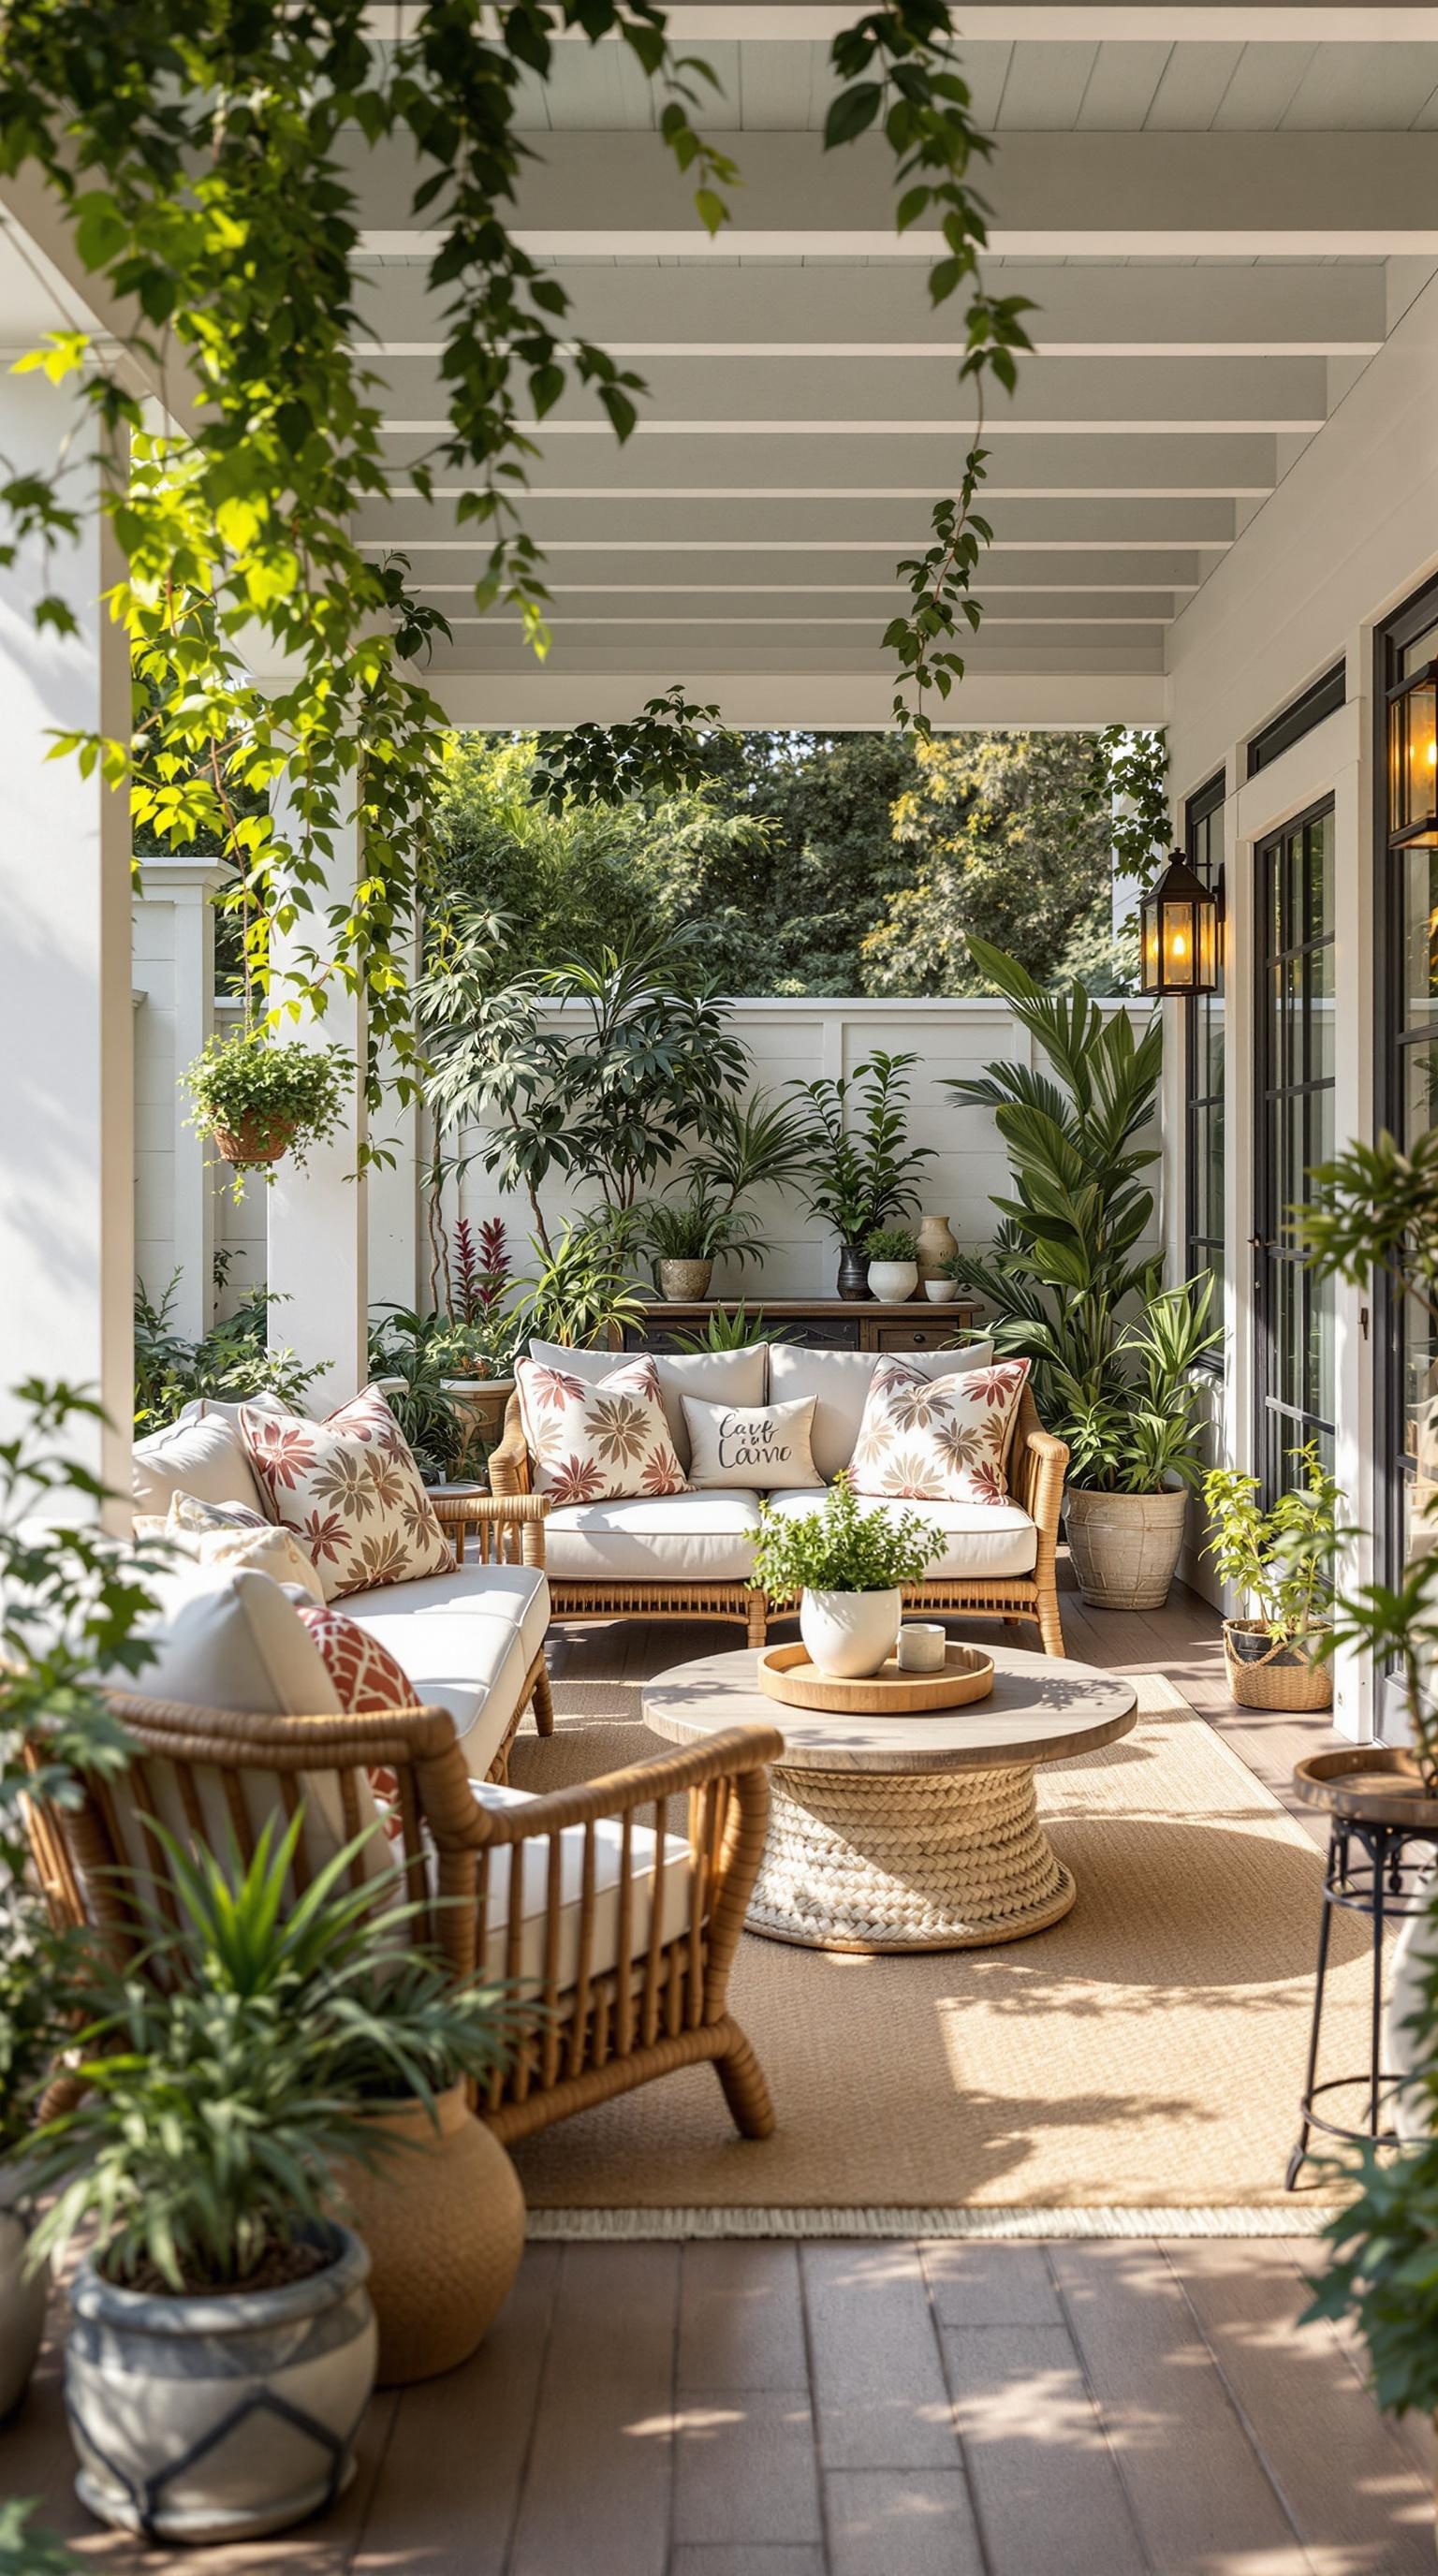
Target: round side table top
(1041,1709)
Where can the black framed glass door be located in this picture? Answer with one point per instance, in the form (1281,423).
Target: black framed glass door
(1295,1379)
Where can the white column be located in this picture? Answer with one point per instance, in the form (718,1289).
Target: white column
(319,1215)
(396,1264)
(66,1038)
(184,890)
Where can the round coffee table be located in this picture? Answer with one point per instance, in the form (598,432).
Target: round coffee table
(906,1833)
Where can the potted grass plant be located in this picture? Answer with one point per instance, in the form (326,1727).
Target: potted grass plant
(849,1568)
(260,1099)
(687,1235)
(1281,1563)
(892,1253)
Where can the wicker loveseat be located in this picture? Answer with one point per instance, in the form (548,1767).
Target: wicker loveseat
(689,1556)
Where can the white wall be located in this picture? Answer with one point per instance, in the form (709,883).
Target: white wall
(1349,534)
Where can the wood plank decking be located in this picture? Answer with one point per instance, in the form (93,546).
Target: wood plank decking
(1074,2409)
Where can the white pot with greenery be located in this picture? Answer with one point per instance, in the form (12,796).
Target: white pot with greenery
(1134,1455)
(260,1100)
(1281,1563)
(849,1567)
(893,1257)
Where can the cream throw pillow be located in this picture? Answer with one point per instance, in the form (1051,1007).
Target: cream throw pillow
(228,1534)
(938,1439)
(761,1446)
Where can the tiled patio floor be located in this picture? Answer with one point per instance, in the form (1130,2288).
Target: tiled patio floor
(1074,2409)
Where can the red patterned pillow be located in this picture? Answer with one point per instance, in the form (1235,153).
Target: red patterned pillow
(597,1440)
(350,1490)
(367,1681)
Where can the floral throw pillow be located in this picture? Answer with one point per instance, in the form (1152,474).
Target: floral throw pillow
(368,1681)
(600,1440)
(938,1439)
(349,1489)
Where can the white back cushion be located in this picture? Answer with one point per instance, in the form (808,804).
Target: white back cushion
(203,1456)
(839,1381)
(715,1377)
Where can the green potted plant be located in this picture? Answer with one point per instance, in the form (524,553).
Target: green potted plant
(860,1163)
(1281,1563)
(892,1254)
(260,1098)
(849,1568)
(1135,1452)
(687,1236)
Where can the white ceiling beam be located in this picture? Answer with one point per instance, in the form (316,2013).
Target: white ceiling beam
(858,464)
(831,702)
(1295,22)
(1092,195)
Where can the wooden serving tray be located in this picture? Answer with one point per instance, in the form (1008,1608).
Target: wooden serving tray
(785,1673)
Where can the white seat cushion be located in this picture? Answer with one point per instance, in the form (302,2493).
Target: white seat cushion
(704,1537)
(467,1648)
(534,1893)
(714,1377)
(840,1381)
(983,1539)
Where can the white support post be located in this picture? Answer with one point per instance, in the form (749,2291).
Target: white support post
(182,1003)
(67,1149)
(394,1249)
(319,1215)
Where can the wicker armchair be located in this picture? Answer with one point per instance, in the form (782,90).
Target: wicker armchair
(1036,1465)
(625,1987)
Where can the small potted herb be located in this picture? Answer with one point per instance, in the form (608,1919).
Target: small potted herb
(893,1257)
(1281,1563)
(260,1099)
(849,1567)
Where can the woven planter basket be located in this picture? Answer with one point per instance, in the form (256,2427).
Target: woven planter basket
(1125,1547)
(248,1144)
(1262,1675)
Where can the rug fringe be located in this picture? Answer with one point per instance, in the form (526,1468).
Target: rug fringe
(630,2226)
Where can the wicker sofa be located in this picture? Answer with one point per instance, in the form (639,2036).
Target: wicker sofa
(690,1555)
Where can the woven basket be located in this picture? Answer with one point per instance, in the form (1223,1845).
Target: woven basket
(248,1143)
(1262,1675)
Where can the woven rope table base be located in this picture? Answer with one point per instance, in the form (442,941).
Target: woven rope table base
(906,1860)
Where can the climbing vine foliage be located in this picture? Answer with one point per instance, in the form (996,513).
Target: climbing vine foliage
(205,158)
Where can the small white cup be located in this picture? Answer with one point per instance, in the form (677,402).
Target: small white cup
(921,1647)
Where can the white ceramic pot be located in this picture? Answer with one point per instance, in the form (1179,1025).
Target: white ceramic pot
(850,1634)
(22,2294)
(219,2418)
(941,1292)
(892,1281)
(1125,1547)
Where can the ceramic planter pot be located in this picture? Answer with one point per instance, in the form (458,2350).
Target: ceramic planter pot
(681,1283)
(1262,1676)
(224,2417)
(443,2220)
(22,2294)
(850,1634)
(248,1143)
(853,1281)
(941,1291)
(936,1244)
(893,1281)
(1125,1547)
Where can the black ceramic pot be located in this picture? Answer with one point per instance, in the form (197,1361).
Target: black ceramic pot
(853,1271)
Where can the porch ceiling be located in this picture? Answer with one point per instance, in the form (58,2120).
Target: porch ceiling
(1219,213)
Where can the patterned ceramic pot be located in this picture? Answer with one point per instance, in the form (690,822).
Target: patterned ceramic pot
(682,1283)
(892,1282)
(22,2295)
(1125,1547)
(850,1634)
(219,2418)
(443,2219)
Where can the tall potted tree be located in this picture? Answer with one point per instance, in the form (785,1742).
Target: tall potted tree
(860,1163)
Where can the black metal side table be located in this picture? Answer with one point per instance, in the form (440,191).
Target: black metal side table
(1383,1836)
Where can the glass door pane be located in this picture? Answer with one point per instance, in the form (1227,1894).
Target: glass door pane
(1294,914)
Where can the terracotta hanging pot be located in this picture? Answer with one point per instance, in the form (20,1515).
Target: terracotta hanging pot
(252,1142)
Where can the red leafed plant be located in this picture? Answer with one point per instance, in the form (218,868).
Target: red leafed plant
(481,1269)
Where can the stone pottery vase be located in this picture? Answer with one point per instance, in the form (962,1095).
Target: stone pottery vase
(853,1271)
(221,2417)
(443,2220)
(893,1282)
(22,2294)
(1262,1675)
(682,1283)
(936,1246)
(1125,1547)
(850,1634)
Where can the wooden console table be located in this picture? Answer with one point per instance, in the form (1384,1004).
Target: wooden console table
(821,1323)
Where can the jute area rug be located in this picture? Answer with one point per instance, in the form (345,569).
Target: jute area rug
(1137,2066)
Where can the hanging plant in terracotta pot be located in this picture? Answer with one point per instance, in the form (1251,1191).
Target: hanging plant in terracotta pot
(260,1100)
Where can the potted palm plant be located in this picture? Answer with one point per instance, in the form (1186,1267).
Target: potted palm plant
(860,1163)
(1135,1453)
(260,1100)
(849,1568)
(1281,1563)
